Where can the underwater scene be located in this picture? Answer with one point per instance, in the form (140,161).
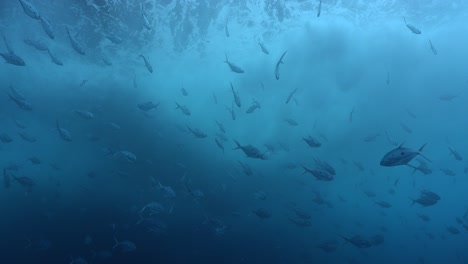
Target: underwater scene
(233,131)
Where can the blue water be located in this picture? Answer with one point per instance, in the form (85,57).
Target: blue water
(112,157)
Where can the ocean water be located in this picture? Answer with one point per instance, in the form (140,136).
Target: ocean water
(233,131)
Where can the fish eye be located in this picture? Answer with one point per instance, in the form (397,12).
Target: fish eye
(402,153)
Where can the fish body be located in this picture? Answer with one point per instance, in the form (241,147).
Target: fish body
(226,29)
(29,9)
(197,133)
(64,134)
(146,106)
(219,143)
(401,156)
(184,109)
(47,28)
(146,22)
(126,155)
(13,59)
(290,96)
(358,241)
(264,49)
(84,114)
(147,64)
(319,10)
(75,44)
(54,58)
(319,174)
(312,142)
(280,61)
(236,96)
(455,154)
(433,49)
(412,28)
(250,151)
(39,45)
(20,102)
(233,67)
(8,45)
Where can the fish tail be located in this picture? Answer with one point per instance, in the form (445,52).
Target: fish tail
(226,61)
(178,106)
(420,150)
(414,201)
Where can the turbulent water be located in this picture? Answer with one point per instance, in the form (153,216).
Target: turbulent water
(233,131)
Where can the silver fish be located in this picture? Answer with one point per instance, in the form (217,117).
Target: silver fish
(147,64)
(13,59)
(29,9)
(47,28)
(233,67)
(434,51)
(280,61)
(75,44)
(412,28)
(401,156)
(54,58)
(236,96)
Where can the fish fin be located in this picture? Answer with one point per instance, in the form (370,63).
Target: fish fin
(238,145)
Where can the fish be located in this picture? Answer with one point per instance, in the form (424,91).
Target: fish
(167,191)
(226,29)
(412,28)
(75,44)
(250,151)
(312,142)
(29,9)
(184,92)
(37,44)
(47,27)
(319,10)
(291,121)
(264,49)
(146,106)
(197,133)
(351,113)
(236,96)
(83,82)
(124,247)
(231,110)
(434,51)
(64,134)
(255,105)
(107,61)
(8,46)
(455,154)
(219,143)
(246,169)
(184,109)
(383,204)
(54,58)
(27,137)
(319,174)
(126,155)
(146,22)
(280,61)
(406,128)
(114,38)
(84,114)
(290,96)
(13,59)
(5,138)
(215,99)
(401,156)
(20,102)
(233,67)
(147,64)
(221,127)
(358,241)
